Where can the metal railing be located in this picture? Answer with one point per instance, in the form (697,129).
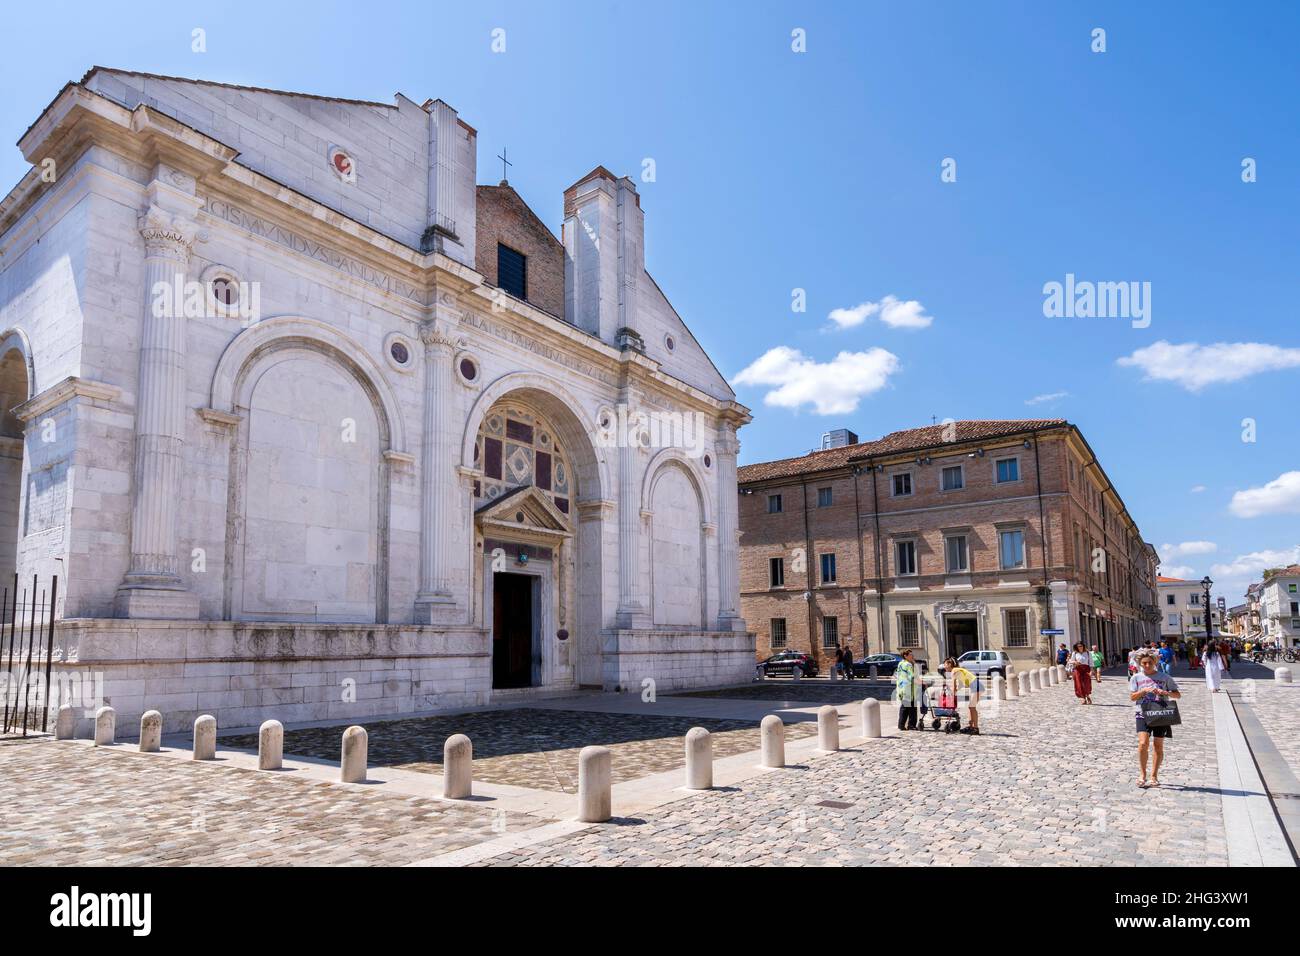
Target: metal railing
(26,623)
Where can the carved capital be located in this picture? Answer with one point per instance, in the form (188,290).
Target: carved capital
(435,337)
(167,234)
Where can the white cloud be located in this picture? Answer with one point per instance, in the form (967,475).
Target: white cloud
(1281,496)
(1177,571)
(1197,489)
(1170,551)
(1194,366)
(831,388)
(1248,567)
(1049,397)
(893,312)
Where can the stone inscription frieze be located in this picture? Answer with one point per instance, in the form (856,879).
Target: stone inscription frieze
(519,340)
(316,250)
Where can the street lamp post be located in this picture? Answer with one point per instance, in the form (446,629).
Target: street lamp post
(1206,584)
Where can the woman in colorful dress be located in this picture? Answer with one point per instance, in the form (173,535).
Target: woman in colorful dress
(1081,668)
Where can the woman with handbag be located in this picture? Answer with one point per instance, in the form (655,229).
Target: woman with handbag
(1081,670)
(1152,693)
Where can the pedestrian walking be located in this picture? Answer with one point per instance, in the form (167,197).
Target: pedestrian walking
(1150,685)
(837,668)
(1193,655)
(1062,655)
(1080,665)
(1213,662)
(1166,658)
(908,691)
(1098,659)
(847,659)
(962,679)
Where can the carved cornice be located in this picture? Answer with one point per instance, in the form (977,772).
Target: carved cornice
(435,337)
(68,389)
(219,418)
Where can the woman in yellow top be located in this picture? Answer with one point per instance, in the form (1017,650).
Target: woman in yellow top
(961,677)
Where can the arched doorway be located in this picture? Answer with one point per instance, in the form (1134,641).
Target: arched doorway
(537,521)
(15,388)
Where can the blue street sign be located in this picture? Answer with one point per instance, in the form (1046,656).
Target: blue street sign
(1051,631)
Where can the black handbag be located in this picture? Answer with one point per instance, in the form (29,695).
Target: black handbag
(1160,713)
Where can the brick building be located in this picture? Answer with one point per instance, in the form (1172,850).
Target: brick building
(943,538)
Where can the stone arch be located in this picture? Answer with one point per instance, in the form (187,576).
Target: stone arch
(17,385)
(679,540)
(286,331)
(254,358)
(554,401)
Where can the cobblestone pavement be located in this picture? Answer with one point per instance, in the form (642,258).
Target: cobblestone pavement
(1049,782)
(73,804)
(807,691)
(531,748)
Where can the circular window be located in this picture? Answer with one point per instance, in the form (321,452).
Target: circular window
(400,352)
(225,291)
(467,368)
(670,343)
(708,462)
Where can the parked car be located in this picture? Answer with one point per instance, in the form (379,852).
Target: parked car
(885,665)
(985,663)
(784,662)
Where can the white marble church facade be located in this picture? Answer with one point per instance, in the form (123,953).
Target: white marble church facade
(312,426)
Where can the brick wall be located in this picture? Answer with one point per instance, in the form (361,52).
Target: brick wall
(504,218)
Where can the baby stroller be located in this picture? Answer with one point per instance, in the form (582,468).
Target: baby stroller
(944,712)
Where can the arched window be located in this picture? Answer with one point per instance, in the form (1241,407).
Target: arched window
(516,448)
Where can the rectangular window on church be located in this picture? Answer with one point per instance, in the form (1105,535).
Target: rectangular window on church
(492,457)
(543,471)
(512,271)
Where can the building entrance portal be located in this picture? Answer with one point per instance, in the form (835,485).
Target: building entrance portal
(963,634)
(514,653)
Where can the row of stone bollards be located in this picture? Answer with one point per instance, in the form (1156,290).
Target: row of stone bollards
(594,763)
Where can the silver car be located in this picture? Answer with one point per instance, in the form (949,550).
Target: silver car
(986,663)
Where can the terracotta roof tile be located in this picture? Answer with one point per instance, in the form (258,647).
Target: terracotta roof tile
(907,440)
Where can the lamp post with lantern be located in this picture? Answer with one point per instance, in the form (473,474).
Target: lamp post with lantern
(1206,584)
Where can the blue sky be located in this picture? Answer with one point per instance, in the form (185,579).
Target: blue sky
(820,171)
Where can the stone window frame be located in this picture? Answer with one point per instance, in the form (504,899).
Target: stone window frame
(776,563)
(964,534)
(821,569)
(911,484)
(411,351)
(903,643)
(1006,626)
(209,276)
(916,556)
(1009,527)
(961,470)
(1010,481)
(461,356)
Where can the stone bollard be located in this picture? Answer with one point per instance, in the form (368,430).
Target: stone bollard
(1053,678)
(594,803)
(270,745)
(699,759)
(1036,679)
(796,673)
(1060,674)
(356,750)
(828,729)
(205,737)
(457,768)
(773,734)
(875,672)
(1282,675)
(871,718)
(150,732)
(105,726)
(999,687)
(65,725)
(1013,686)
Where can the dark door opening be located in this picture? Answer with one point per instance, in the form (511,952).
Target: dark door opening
(512,630)
(963,635)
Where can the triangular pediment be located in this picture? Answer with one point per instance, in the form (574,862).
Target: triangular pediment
(524,511)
